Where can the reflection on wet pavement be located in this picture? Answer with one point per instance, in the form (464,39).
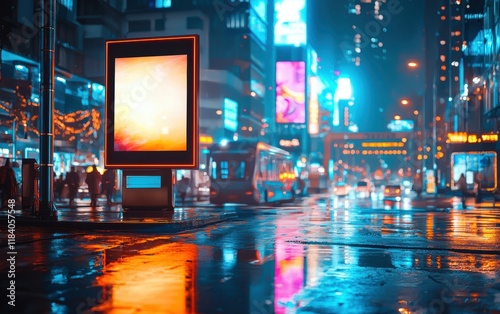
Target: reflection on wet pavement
(321,259)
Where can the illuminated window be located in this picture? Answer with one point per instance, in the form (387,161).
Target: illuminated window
(442,78)
(443,42)
(443,67)
(442,58)
(162,4)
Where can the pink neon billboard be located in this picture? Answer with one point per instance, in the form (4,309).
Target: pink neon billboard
(290,92)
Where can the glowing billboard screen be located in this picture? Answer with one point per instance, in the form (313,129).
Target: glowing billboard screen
(152,103)
(230,115)
(291,26)
(260,6)
(290,92)
(481,166)
(144,111)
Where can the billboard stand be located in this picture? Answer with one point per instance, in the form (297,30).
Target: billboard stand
(147,189)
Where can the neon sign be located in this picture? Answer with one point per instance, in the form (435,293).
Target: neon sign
(464,137)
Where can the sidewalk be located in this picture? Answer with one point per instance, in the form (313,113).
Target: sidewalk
(103,217)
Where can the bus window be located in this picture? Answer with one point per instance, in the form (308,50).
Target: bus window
(224,171)
(230,170)
(263,166)
(237,169)
(214,169)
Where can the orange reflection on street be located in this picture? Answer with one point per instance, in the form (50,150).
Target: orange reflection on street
(470,230)
(153,281)
(387,224)
(483,263)
(429,227)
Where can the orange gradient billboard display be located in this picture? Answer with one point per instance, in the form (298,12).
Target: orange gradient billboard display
(152,103)
(149,124)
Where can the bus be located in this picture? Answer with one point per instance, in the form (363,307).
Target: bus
(250,172)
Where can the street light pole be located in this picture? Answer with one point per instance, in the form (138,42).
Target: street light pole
(434,128)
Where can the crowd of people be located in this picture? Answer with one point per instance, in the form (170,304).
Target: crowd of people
(64,186)
(97,185)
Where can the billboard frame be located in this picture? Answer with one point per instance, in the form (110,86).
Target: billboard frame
(185,45)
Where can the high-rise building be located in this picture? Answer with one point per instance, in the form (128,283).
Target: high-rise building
(78,101)
(370,20)
(482,60)
(235,52)
(450,29)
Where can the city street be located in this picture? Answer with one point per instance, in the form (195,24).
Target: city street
(319,255)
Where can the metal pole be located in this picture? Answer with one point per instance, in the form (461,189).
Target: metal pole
(14,138)
(47,66)
(434,130)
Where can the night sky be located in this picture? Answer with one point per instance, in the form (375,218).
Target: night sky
(378,84)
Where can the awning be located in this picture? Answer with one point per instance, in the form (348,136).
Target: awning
(493,113)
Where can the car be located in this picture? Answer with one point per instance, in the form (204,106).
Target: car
(363,189)
(341,189)
(393,192)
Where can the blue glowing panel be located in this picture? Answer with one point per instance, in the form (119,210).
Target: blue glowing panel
(230,114)
(476,166)
(258,27)
(260,7)
(291,22)
(143,182)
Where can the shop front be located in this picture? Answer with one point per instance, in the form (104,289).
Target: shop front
(476,157)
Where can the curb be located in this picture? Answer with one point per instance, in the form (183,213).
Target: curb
(134,226)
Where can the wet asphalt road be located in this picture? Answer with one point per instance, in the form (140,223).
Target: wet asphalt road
(320,255)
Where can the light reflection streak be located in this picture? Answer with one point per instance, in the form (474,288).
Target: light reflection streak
(288,268)
(429,227)
(155,281)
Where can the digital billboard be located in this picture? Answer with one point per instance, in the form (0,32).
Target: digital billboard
(313,120)
(476,166)
(257,26)
(290,92)
(152,103)
(146,123)
(290,27)
(230,115)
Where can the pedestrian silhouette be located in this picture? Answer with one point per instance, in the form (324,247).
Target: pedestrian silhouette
(73,182)
(182,188)
(462,187)
(93,181)
(8,182)
(108,185)
(58,187)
